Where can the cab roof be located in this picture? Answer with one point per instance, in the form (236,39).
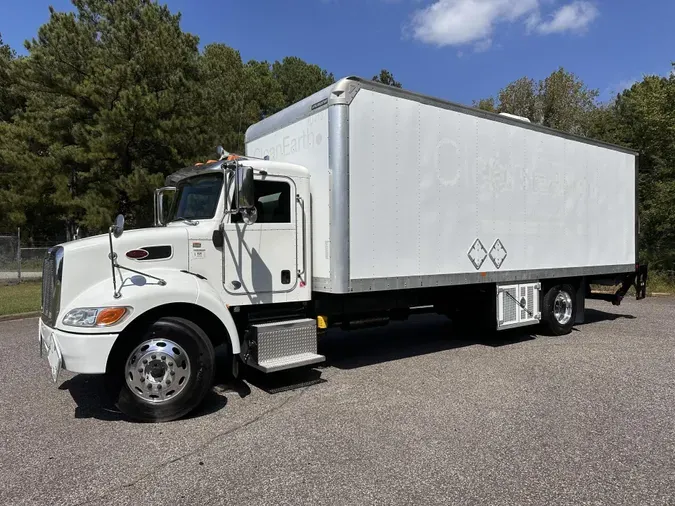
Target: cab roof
(271,166)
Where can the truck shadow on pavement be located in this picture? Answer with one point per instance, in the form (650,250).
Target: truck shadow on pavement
(90,397)
(420,335)
(424,335)
(92,401)
(595,316)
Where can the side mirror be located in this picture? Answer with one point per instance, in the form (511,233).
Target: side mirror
(159,204)
(245,194)
(118,226)
(218,237)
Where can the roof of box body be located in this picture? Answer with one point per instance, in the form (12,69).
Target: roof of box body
(344,90)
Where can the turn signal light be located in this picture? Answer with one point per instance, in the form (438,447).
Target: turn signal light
(110,315)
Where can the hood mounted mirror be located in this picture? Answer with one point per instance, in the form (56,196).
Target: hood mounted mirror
(118,226)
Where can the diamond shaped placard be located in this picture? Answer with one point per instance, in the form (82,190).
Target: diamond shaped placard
(477,254)
(498,253)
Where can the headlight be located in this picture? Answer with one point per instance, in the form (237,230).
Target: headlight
(95,316)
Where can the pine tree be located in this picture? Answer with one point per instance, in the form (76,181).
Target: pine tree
(386,77)
(299,79)
(109,111)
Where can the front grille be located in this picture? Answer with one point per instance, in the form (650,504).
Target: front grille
(47,283)
(52,273)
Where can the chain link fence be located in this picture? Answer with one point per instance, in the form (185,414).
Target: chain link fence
(9,261)
(20,261)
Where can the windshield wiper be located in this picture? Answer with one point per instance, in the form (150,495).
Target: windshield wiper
(187,220)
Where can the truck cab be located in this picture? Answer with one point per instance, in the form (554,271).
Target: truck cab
(252,252)
(147,307)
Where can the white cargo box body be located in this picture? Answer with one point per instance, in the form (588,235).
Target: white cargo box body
(409,191)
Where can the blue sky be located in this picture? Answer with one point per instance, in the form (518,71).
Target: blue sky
(459,50)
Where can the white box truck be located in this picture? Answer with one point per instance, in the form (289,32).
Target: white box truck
(358,205)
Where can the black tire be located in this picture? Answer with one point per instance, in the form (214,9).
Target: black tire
(199,349)
(554,325)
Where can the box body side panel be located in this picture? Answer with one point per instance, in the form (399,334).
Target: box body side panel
(434,192)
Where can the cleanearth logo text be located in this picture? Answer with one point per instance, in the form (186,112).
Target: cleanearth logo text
(290,145)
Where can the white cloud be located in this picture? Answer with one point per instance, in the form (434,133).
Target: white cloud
(457,22)
(533,21)
(574,17)
(462,22)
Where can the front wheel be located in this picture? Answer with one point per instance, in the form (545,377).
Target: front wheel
(164,374)
(559,309)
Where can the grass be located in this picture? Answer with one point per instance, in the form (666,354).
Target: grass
(20,298)
(32,264)
(660,283)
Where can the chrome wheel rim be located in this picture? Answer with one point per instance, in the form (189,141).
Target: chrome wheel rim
(562,308)
(157,370)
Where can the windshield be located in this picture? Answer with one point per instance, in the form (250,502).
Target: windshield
(197,197)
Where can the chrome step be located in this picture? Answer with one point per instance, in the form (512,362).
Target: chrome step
(289,362)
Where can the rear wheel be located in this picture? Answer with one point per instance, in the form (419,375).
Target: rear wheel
(559,309)
(165,373)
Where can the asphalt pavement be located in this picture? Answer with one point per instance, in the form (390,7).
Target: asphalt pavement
(412,413)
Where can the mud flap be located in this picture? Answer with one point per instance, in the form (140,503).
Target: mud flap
(581,302)
(638,279)
(641,282)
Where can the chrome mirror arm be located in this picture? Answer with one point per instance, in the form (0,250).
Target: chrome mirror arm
(117,231)
(113,261)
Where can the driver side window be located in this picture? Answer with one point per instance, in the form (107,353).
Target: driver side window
(272,202)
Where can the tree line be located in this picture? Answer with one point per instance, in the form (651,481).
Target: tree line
(114,96)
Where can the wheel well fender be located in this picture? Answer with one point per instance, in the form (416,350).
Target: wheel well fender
(210,300)
(221,329)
